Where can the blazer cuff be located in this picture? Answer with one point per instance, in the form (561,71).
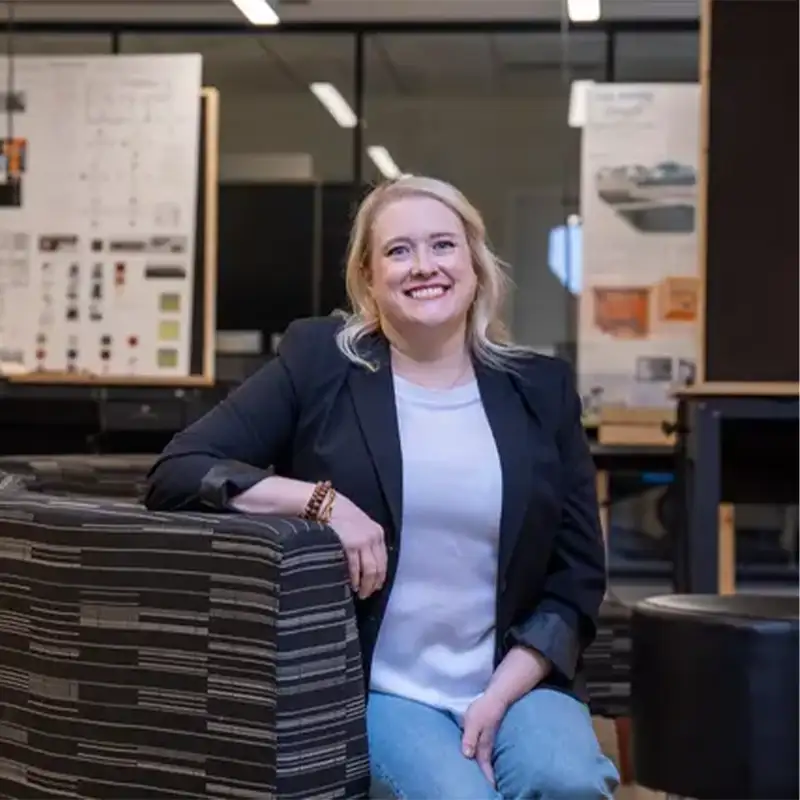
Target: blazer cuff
(226,481)
(550,634)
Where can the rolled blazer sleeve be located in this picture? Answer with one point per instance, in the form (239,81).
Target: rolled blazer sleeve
(565,621)
(234,445)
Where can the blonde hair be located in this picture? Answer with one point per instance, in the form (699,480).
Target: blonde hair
(487,335)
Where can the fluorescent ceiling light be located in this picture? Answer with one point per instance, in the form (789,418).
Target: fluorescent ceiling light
(258,12)
(335,104)
(384,162)
(578,103)
(583,10)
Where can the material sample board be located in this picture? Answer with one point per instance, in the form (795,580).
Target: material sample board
(638,322)
(98,197)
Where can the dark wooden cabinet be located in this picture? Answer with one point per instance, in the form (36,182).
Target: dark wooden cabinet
(281,253)
(751,187)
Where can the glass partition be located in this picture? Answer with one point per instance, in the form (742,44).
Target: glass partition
(669,57)
(55,44)
(272,125)
(488,112)
(286,151)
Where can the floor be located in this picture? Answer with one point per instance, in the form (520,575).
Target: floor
(608,741)
(638,793)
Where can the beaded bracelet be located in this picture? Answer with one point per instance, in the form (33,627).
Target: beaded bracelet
(326,509)
(314,504)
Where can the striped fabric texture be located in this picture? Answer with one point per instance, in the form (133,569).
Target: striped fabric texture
(147,655)
(608,662)
(117,476)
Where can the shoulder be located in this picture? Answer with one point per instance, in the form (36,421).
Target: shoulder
(309,352)
(309,333)
(537,371)
(310,342)
(548,387)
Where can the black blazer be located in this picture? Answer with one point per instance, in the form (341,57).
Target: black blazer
(313,415)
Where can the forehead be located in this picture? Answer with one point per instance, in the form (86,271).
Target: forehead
(415,217)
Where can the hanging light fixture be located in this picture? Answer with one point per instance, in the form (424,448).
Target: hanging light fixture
(583,10)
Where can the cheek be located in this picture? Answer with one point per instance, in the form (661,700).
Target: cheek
(386,282)
(469,282)
(393,276)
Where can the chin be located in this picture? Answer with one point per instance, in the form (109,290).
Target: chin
(435,318)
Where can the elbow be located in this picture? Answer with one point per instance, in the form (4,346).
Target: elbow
(198,482)
(169,485)
(175,480)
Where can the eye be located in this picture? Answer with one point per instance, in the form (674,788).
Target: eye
(397,251)
(444,245)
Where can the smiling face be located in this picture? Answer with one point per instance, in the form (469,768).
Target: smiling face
(421,267)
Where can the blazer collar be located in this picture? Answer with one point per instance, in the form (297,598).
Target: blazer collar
(373,396)
(509,421)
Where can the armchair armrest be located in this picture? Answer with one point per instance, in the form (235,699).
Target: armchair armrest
(176,654)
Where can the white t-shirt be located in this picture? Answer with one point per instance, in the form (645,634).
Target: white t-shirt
(437,640)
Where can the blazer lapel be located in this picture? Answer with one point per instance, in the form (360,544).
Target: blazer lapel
(509,422)
(374,400)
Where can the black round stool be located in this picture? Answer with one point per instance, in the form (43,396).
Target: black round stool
(714,696)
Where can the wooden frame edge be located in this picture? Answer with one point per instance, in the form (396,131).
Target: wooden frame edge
(740,389)
(211,230)
(701,208)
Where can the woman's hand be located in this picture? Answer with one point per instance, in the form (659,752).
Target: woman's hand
(481,722)
(364,545)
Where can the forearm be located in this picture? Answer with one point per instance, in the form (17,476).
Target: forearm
(520,671)
(275,495)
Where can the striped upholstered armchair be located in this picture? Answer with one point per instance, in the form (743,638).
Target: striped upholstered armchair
(185,655)
(151,655)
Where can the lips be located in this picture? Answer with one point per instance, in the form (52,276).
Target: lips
(429,292)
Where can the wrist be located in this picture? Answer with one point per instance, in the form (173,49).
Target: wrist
(522,670)
(498,696)
(320,503)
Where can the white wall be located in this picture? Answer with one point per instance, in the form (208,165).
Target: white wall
(515,158)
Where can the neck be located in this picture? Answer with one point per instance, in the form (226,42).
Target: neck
(444,358)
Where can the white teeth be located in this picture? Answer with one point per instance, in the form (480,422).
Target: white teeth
(427,292)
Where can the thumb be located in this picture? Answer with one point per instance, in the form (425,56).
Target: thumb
(469,739)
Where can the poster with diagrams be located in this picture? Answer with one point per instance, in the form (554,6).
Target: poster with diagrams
(637,331)
(98,198)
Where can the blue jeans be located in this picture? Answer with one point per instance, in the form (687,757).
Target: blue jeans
(545,749)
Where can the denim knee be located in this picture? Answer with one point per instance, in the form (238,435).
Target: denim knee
(563,779)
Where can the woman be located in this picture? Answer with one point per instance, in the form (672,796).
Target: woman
(453,467)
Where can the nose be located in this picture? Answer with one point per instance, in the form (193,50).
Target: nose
(424,263)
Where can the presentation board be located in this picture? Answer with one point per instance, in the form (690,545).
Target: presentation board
(637,329)
(99,190)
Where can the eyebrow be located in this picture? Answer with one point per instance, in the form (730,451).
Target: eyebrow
(436,235)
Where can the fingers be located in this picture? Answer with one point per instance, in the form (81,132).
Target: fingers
(478,743)
(354,567)
(483,755)
(382,562)
(369,571)
(373,569)
(364,547)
